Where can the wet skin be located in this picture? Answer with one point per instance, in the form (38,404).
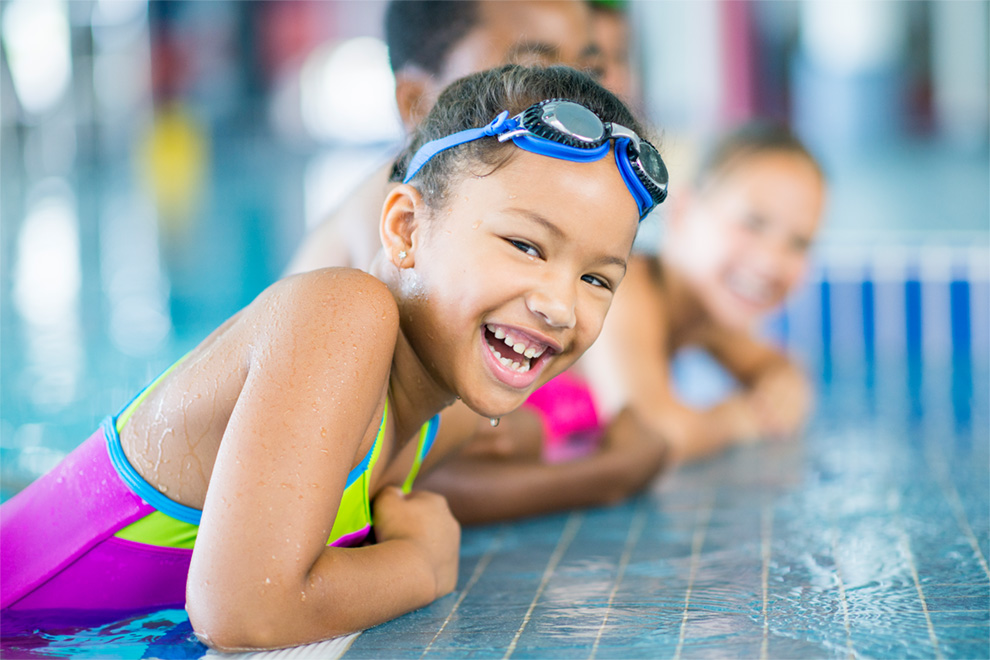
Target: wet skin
(275,407)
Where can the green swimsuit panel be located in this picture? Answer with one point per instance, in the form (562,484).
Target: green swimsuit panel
(175,525)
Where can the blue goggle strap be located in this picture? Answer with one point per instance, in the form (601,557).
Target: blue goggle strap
(544,147)
(644,200)
(497,126)
(541,146)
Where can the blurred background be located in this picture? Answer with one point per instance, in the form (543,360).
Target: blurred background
(161,162)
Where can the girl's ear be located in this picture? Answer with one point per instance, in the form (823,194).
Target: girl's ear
(414,96)
(402,214)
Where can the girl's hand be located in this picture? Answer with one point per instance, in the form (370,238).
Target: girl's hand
(782,400)
(424,519)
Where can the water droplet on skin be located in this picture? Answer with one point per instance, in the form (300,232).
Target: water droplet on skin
(476,224)
(268,580)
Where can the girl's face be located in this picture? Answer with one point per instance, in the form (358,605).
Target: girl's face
(743,242)
(511,281)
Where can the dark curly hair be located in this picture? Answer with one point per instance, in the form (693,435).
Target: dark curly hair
(423,32)
(473,101)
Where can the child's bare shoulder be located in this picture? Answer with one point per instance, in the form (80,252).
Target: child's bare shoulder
(332,300)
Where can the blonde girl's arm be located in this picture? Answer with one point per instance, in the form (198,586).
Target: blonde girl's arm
(262,575)
(629,367)
(776,387)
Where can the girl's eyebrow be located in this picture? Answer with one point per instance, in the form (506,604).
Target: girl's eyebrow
(559,234)
(538,219)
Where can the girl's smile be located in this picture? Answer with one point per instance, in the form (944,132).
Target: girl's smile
(745,243)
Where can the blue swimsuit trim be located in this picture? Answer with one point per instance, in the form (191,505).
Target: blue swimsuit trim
(169,507)
(136,482)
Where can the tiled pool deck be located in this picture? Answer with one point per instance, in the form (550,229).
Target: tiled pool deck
(868,538)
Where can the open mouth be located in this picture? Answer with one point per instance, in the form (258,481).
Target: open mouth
(513,349)
(755,290)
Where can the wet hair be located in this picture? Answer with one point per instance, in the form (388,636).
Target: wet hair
(423,32)
(475,100)
(753,138)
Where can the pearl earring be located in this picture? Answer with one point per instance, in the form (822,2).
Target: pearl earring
(494,421)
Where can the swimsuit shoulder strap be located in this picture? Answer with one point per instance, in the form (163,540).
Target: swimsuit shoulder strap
(427,434)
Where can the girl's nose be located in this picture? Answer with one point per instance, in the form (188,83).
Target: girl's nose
(554,302)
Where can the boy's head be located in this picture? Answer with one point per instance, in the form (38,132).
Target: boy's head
(610,33)
(742,234)
(432,43)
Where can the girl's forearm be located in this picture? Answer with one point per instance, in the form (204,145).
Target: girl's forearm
(480,489)
(696,434)
(347,590)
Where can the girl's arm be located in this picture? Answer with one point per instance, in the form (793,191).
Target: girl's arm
(776,387)
(262,575)
(498,486)
(629,366)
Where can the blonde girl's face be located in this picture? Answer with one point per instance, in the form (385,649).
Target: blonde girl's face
(512,280)
(744,242)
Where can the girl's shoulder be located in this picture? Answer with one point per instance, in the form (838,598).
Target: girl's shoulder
(326,295)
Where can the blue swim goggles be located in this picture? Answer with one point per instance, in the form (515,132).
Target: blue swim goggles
(569,131)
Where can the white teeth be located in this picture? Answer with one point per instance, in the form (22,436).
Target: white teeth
(518,345)
(510,364)
(751,287)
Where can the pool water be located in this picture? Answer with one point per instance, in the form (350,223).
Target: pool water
(869,537)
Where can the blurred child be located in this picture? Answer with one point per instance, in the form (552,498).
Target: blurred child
(431,43)
(244,481)
(611,35)
(736,244)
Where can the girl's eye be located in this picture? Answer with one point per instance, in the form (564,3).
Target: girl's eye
(594,280)
(754,223)
(525,248)
(799,244)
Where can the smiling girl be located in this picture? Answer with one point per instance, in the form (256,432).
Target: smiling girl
(244,482)
(735,246)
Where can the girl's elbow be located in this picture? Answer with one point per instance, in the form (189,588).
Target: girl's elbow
(224,626)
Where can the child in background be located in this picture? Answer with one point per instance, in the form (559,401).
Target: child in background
(432,43)
(735,245)
(243,481)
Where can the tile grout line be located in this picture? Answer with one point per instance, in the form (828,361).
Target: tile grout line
(635,530)
(766,530)
(701,528)
(475,576)
(894,505)
(842,590)
(570,531)
(955,502)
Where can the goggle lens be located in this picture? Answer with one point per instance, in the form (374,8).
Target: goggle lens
(575,121)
